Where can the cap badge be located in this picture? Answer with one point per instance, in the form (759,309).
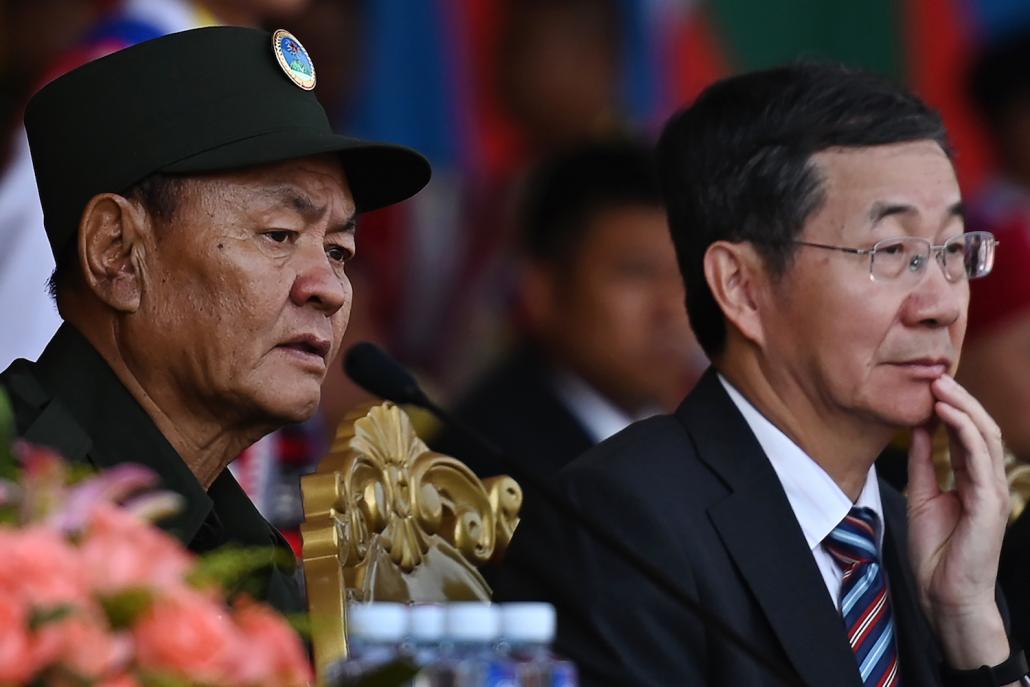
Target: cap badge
(293,59)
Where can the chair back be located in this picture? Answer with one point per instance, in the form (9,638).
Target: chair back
(386,519)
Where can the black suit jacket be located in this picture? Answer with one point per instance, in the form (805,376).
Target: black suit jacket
(72,401)
(1014,576)
(695,494)
(516,407)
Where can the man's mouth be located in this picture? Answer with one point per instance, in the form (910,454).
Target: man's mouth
(925,368)
(309,345)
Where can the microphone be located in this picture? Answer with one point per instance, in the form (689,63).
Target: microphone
(375,371)
(378,373)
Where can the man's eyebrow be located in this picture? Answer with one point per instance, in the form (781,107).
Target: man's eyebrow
(881,210)
(296,199)
(349,226)
(306,207)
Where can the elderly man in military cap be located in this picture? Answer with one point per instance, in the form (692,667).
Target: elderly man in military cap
(201,212)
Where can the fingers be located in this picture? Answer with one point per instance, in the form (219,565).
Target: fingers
(973,461)
(922,479)
(953,396)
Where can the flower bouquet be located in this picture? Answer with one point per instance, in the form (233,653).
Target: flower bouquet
(93,594)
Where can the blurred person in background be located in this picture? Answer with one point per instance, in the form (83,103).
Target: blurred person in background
(998,83)
(544,75)
(606,339)
(26,50)
(36,34)
(74,33)
(559,63)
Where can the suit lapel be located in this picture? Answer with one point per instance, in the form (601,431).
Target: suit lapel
(917,653)
(762,535)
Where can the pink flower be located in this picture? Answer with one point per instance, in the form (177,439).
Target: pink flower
(89,648)
(120,550)
(41,567)
(23,653)
(116,485)
(188,635)
(40,463)
(43,480)
(274,653)
(15,641)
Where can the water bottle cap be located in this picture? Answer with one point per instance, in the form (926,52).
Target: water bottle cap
(427,621)
(377,621)
(472,621)
(528,622)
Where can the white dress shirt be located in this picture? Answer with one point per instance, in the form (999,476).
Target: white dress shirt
(599,417)
(817,501)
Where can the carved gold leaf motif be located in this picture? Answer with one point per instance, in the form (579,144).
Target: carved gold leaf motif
(388,519)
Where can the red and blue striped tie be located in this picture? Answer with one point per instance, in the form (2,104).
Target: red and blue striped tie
(864,598)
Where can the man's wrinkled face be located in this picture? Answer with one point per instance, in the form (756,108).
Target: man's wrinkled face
(245,299)
(858,346)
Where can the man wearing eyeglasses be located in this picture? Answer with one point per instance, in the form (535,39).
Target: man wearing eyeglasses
(818,227)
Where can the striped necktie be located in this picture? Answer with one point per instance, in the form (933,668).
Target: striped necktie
(864,599)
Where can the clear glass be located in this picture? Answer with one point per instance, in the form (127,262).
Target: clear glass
(966,256)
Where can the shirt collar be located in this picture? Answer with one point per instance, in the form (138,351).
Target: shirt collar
(818,503)
(599,416)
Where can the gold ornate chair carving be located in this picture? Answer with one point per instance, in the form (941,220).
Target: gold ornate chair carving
(386,519)
(1017,474)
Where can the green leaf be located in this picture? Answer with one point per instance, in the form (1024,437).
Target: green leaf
(9,516)
(8,468)
(42,616)
(125,607)
(162,680)
(301,624)
(230,567)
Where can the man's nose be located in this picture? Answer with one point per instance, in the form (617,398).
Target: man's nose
(935,301)
(318,282)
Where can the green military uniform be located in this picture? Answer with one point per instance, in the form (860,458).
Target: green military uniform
(72,402)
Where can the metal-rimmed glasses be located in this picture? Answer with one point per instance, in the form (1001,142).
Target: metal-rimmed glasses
(966,256)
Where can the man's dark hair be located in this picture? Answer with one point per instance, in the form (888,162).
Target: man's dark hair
(736,165)
(159,196)
(565,193)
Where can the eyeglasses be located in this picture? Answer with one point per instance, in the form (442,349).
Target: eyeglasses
(966,256)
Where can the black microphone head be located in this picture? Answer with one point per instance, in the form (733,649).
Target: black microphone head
(375,371)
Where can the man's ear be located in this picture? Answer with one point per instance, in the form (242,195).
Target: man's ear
(112,236)
(736,275)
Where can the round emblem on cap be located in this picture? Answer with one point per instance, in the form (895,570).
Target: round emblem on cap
(293,59)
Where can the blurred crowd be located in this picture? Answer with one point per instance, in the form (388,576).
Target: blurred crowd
(533,285)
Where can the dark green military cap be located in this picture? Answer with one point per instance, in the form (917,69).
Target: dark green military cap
(204,100)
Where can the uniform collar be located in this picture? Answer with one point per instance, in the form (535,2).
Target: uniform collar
(86,390)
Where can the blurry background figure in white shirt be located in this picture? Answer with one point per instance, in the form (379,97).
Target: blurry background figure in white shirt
(603,336)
